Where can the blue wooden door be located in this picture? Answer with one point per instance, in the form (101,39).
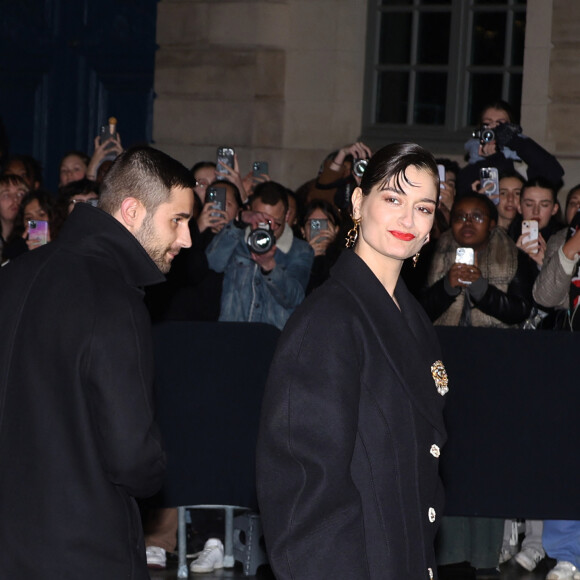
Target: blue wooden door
(66,66)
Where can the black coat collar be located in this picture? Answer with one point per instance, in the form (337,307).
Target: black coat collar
(406,336)
(92,232)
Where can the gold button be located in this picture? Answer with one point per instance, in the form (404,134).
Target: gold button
(435,451)
(431,515)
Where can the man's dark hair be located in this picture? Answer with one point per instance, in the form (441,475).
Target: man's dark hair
(146,174)
(271,193)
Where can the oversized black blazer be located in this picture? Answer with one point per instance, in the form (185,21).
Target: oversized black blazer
(350,435)
(77,437)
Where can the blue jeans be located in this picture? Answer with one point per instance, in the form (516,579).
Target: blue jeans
(561,539)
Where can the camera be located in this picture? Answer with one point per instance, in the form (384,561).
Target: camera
(359,167)
(484,134)
(262,239)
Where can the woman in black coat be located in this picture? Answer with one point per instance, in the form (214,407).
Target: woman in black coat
(352,424)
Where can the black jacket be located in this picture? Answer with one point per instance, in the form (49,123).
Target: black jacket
(539,162)
(352,426)
(511,307)
(77,436)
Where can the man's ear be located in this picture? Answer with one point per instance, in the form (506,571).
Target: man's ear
(131,213)
(356,201)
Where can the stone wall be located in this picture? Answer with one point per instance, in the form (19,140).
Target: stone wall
(282,81)
(279,80)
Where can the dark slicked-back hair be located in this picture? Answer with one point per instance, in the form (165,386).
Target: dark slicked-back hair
(390,164)
(145,174)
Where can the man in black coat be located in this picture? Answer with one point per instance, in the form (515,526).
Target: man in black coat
(77,436)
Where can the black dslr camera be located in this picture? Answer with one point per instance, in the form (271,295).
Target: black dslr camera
(484,134)
(261,239)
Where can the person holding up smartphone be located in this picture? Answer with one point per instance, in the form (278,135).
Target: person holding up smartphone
(501,144)
(494,288)
(320,228)
(538,203)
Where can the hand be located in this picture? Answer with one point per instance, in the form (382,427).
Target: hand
(320,242)
(215,222)
(487,149)
(358,150)
(233,175)
(463,275)
(253,218)
(476,186)
(535,249)
(101,152)
(265,261)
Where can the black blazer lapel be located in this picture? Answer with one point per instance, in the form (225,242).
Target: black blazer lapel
(406,336)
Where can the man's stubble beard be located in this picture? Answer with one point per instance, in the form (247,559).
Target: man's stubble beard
(147,237)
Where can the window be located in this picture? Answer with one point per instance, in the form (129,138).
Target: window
(433,64)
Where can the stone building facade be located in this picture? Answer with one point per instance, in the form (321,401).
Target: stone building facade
(282,81)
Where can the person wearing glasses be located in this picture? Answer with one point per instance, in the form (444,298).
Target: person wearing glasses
(495,290)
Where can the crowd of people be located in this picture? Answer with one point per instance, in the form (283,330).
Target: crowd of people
(501,253)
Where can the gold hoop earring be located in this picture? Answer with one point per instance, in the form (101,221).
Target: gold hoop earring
(352,235)
(415,259)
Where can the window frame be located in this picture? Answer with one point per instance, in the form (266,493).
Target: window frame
(453,134)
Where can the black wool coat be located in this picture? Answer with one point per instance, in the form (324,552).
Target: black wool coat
(77,437)
(351,431)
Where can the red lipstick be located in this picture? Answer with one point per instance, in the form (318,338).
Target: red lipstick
(402,235)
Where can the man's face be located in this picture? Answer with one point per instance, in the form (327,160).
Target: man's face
(276,213)
(166,231)
(10,198)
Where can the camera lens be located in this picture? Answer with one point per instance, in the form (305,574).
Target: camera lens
(359,167)
(487,135)
(261,239)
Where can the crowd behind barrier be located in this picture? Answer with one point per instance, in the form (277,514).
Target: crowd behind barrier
(501,263)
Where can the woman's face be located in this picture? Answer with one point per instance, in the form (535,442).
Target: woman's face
(33,211)
(72,169)
(492,117)
(10,198)
(204,177)
(573,206)
(471,223)
(395,223)
(509,197)
(537,203)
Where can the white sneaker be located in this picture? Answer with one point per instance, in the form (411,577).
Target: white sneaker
(211,558)
(505,555)
(563,571)
(156,557)
(528,558)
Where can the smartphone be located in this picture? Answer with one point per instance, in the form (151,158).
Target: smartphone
(225,155)
(530,232)
(259,168)
(465,256)
(38,232)
(316,226)
(489,182)
(441,170)
(216,196)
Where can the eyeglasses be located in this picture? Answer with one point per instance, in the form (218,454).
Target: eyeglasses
(475,216)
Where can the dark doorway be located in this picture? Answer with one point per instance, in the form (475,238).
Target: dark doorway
(66,66)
